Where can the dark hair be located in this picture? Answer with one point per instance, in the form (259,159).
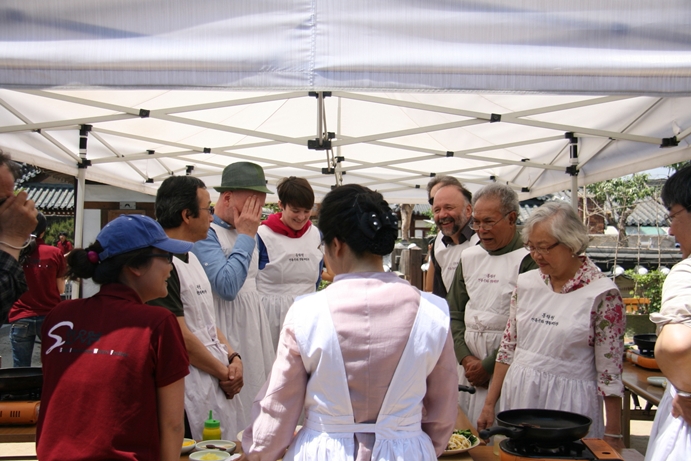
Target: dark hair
(79,266)
(677,189)
(359,217)
(41,226)
(5,160)
(444,181)
(31,247)
(296,192)
(175,194)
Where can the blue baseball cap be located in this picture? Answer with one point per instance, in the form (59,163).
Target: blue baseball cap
(129,232)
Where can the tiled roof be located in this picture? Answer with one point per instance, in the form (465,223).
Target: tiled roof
(26,173)
(648,212)
(51,198)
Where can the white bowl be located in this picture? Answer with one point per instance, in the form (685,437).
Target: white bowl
(227,444)
(211,455)
(188,448)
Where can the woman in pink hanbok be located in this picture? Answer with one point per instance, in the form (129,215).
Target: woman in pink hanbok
(369,359)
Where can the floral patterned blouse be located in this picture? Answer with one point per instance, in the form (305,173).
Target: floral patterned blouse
(607,326)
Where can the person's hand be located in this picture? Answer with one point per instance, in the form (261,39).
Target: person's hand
(681,406)
(17,221)
(486,418)
(247,222)
(474,373)
(615,442)
(233,385)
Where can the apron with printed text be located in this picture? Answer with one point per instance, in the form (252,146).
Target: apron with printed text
(449,256)
(202,391)
(554,365)
(490,281)
(330,428)
(292,270)
(246,327)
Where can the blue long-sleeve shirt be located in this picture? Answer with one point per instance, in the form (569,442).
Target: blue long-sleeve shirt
(226,274)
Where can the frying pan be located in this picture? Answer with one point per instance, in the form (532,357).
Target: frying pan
(545,427)
(20,379)
(645,343)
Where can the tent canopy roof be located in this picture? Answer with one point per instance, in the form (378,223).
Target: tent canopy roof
(485,90)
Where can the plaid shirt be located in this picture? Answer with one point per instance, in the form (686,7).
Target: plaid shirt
(12,283)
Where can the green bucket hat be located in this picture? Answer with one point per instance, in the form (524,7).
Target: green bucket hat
(243,176)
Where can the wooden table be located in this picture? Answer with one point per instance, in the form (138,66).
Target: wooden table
(17,434)
(635,381)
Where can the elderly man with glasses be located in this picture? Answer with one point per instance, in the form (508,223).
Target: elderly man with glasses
(480,294)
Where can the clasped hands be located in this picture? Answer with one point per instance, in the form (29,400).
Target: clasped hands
(234,383)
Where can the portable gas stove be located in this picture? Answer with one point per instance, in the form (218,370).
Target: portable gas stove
(20,395)
(584,449)
(644,359)
(20,408)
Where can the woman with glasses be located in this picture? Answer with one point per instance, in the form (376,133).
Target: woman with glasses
(290,259)
(563,344)
(114,367)
(369,359)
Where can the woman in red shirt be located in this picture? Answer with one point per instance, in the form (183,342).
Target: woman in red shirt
(114,367)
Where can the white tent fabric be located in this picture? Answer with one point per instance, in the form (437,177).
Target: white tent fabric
(591,46)
(483,90)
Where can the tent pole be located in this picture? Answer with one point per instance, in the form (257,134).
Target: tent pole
(574,193)
(80,193)
(573,170)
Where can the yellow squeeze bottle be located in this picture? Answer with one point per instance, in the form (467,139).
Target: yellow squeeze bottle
(212,429)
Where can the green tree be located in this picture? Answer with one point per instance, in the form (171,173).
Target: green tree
(649,286)
(57,225)
(617,198)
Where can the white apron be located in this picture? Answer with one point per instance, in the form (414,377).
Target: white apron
(490,281)
(328,433)
(202,391)
(293,270)
(246,327)
(554,366)
(670,437)
(448,257)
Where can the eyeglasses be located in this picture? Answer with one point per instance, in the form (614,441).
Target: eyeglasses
(670,217)
(542,251)
(209,209)
(476,226)
(168,256)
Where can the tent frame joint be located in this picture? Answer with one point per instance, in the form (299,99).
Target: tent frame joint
(315,94)
(669,142)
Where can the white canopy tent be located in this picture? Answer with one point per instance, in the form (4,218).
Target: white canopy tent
(483,90)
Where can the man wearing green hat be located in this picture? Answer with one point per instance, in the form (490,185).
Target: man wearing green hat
(229,258)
